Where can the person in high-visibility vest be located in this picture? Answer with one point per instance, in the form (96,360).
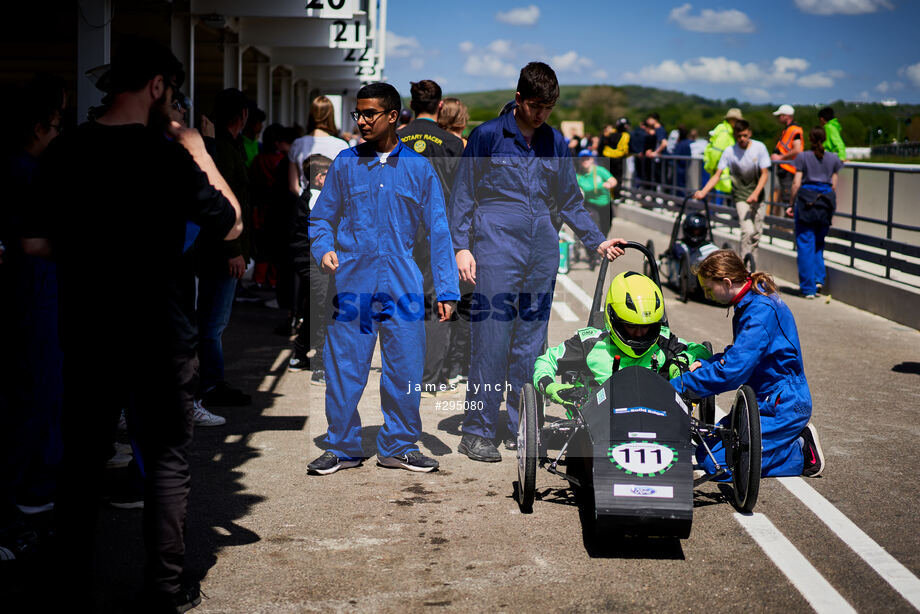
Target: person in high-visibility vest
(790,145)
(834,142)
(721,138)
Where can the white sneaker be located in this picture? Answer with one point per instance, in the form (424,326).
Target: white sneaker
(202,417)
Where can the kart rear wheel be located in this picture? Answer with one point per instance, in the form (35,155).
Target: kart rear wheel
(527,448)
(746,461)
(684,276)
(708,404)
(646,265)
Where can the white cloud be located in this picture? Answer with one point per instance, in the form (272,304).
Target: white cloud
(442,81)
(466,46)
(570,61)
(401,46)
(842,7)
(818,79)
(781,71)
(912,72)
(711,21)
(600,74)
(416,63)
(756,94)
(500,47)
(486,65)
(885,87)
(521,16)
(864,95)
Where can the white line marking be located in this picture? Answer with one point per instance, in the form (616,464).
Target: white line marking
(564,311)
(893,572)
(809,582)
(283,357)
(575,290)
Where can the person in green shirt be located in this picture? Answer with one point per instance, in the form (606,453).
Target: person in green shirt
(832,127)
(250,135)
(595,183)
(634,332)
(721,138)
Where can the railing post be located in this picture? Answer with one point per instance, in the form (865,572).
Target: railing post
(888,228)
(853,216)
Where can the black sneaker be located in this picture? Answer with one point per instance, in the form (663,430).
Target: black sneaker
(479,449)
(223,394)
(329,462)
(413,461)
(298,362)
(246,295)
(182,601)
(814,455)
(318,378)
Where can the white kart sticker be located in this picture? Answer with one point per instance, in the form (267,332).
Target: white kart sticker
(642,458)
(634,435)
(643,490)
(601,396)
(680,402)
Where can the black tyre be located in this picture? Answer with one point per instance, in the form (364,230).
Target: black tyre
(749,263)
(708,404)
(646,266)
(684,274)
(527,448)
(747,450)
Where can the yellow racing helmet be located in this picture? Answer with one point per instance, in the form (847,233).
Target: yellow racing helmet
(633,299)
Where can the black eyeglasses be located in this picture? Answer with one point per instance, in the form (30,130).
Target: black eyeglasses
(57,127)
(368,115)
(180,101)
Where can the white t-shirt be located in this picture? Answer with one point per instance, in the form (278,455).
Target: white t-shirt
(306,146)
(745,164)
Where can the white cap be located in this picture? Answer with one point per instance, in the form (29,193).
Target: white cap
(784,109)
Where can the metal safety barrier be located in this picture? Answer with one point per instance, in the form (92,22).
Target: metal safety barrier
(877,219)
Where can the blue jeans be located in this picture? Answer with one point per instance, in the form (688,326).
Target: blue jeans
(215,302)
(809,243)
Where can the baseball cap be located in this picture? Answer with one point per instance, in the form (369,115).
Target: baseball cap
(622,122)
(734,113)
(784,109)
(585,153)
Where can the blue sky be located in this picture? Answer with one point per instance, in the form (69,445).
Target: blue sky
(796,51)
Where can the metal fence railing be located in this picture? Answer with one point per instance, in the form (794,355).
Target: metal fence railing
(877,219)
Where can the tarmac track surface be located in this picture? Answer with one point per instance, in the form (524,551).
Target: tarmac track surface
(269,538)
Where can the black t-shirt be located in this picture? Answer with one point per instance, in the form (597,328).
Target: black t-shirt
(114,201)
(438,145)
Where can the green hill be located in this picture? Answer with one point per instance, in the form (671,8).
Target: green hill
(678,108)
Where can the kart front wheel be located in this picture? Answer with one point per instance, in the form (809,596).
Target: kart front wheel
(746,455)
(527,446)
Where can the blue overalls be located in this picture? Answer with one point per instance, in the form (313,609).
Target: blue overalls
(507,205)
(766,355)
(368,213)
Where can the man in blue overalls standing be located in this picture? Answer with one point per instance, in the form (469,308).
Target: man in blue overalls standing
(514,188)
(362,231)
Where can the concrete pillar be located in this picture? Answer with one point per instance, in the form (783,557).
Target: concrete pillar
(233,65)
(264,90)
(182,44)
(301,103)
(94,48)
(285,107)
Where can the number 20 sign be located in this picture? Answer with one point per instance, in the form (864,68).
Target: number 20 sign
(351,34)
(331,9)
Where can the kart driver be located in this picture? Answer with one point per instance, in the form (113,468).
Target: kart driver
(634,336)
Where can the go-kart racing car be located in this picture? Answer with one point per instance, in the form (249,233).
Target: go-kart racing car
(632,440)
